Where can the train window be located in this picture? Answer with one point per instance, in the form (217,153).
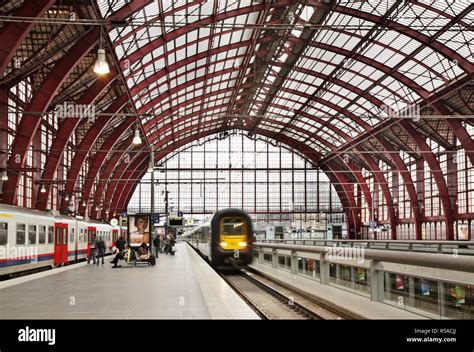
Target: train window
(71,237)
(232,226)
(64,236)
(58,236)
(42,234)
(50,234)
(20,233)
(3,233)
(32,234)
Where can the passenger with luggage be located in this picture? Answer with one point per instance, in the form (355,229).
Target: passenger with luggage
(143,253)
(126,253)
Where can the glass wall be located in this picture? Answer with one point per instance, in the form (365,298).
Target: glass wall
(268,181)
(438,298)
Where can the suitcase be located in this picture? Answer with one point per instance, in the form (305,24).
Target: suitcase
(152,260)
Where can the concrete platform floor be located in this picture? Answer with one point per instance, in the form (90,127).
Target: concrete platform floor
(182,286)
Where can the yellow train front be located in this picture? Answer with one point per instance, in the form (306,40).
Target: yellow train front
(226,238)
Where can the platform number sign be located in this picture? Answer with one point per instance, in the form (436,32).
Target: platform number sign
(236,253)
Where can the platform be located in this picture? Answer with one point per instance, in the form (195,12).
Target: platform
(353,305)
(182,286)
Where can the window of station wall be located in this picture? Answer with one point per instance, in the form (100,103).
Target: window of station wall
(309,267)
(353,278)
(267,258)
(448,300)
(266,180)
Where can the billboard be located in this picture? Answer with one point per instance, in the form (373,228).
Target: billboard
(138,229)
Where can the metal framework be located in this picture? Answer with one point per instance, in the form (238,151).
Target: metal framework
(352,86)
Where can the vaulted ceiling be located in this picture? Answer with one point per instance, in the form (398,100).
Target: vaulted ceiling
(343,82)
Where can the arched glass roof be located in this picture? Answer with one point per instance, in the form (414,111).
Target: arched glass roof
(321,73)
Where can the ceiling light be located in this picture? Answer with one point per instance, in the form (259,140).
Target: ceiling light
(4,176)
(66,198)
(42,189)
(137,140)
(101,66)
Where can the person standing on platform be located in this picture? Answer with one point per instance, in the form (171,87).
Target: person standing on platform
(100,247)
(92,250)
(162,242)
(157,244)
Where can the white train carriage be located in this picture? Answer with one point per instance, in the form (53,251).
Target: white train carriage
(32,239)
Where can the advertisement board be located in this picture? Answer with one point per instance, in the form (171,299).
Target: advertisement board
(139,229)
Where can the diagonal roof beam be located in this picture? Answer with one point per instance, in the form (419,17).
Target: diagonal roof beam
(274,52)
(246,62)
(13,33)
(355,53)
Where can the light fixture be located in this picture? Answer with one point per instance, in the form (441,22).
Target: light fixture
(137,140)
(66,198)
(42,189)
(84,203)
(96,208)
(4,176)
(101,67)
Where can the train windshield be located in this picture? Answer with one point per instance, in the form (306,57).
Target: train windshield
(233,226)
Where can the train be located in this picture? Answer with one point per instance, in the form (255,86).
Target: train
(33,240)
(225,238)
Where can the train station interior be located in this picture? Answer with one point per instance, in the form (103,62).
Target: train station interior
(254,159)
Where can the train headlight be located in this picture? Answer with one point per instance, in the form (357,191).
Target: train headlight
(243,244)
(223,244)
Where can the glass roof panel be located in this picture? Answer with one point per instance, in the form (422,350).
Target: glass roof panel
(352,85)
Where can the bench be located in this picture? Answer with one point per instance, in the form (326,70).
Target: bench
(136,262)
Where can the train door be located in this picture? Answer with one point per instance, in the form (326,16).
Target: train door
(64,243)
(57,242)
(114,237)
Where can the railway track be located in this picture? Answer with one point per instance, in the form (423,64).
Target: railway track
(273,301)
